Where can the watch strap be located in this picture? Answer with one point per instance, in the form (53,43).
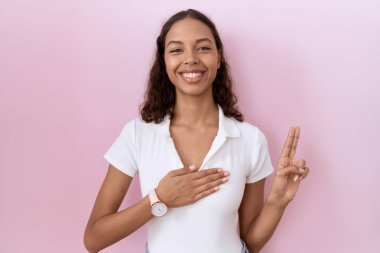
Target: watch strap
(153,197)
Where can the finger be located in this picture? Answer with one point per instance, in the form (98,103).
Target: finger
(295,142)
(288,143)
(222,176)
(206,189)
(205,193)
(180,171)
(205,173)
(193,168)
(210,185)
(300,163)
(292,169)
(306,173)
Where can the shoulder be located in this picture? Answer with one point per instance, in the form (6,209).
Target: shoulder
(250,131)
(138,126)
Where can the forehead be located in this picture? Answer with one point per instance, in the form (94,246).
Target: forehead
(189,29)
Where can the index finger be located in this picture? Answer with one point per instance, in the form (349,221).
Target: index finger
(205,172)
(294,145)
(288,143)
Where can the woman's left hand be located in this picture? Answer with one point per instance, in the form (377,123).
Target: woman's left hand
(289,172)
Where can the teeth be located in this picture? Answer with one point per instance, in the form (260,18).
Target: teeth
(191,75)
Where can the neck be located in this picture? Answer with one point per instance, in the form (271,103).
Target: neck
(195,112)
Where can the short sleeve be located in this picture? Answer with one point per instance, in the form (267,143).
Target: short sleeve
(261,162)
(122,153)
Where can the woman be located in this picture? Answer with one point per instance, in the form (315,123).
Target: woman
(202,169)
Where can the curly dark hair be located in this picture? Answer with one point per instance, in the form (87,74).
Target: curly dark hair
(160,95)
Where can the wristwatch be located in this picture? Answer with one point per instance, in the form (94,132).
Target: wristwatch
(158,208)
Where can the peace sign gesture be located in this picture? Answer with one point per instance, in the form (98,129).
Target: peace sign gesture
(289,173)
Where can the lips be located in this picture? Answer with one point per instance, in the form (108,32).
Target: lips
(192,76)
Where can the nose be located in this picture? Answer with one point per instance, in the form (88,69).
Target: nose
(191,58)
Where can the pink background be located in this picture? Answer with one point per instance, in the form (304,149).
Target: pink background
(73,72)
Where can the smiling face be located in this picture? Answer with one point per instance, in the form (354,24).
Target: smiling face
(191,57)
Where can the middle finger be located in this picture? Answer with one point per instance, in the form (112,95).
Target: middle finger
(204,173)
(223,176)
(292,153)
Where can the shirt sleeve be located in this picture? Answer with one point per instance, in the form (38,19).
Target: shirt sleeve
(261,162)
(122,153)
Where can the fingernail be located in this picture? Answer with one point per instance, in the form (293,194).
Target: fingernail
(225,179)
(192,167)
(295,178)
(302,170)
(226,173)
(216,188)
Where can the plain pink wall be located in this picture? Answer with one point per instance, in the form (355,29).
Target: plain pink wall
(73,72)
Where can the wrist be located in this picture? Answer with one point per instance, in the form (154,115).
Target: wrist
(158,208)
(161,196)
(276,202)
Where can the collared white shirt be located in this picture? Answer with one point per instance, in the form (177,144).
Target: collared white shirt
(211,223)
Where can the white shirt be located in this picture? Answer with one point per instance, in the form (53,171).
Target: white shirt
(211,223)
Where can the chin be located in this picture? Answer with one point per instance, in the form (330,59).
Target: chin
(194,91)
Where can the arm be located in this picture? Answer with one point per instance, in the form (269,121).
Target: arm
(106,226)
(258,219)
(179,187)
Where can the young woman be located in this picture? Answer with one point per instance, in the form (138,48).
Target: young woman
(202,169)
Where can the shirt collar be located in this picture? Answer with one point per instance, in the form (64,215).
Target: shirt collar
(227,126)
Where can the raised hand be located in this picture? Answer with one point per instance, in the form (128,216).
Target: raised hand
(187,185)
(289,172)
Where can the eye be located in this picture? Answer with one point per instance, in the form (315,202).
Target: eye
(204,49)
(175,50)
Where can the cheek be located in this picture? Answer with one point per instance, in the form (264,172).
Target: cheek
(170,65)
(212,65)
(212,61)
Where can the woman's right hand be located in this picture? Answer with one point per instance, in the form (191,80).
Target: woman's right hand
(187,185)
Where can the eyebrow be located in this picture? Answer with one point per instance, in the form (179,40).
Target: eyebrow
(180,42)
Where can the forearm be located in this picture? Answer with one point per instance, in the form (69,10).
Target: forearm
(263,227)
(109,229)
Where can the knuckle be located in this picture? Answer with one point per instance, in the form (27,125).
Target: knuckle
(212,177)
(206,173)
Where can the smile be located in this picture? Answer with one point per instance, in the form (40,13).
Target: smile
(192,77)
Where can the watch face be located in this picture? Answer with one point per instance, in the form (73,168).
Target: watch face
(159,209)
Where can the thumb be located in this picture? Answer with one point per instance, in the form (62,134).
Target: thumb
(183,170)
(193,168)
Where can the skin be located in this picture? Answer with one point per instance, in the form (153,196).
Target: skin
(191,45)
(257,229)
(179,187)
(193,130)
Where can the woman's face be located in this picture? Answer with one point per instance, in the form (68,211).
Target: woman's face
(191,57)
